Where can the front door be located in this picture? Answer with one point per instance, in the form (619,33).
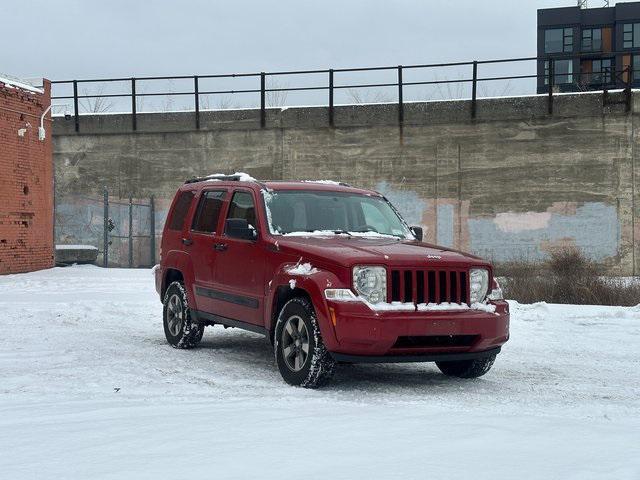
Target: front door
(239,272)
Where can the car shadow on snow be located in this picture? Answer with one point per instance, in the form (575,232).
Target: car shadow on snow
(253,352)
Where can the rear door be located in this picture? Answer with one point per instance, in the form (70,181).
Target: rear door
(174,227)
(239,272)
(204,232)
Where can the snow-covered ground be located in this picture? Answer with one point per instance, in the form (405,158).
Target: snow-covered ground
(89,389)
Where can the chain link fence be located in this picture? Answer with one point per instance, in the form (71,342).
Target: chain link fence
(123,231)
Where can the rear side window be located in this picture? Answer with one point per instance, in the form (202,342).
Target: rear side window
(242,206)
(180,210)
(208,213)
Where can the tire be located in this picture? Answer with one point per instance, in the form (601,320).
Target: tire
(467,368)
(297,327)
(179,330)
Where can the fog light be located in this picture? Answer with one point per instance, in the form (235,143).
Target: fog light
(339,295)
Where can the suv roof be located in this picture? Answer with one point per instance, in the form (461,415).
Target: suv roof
(326,185)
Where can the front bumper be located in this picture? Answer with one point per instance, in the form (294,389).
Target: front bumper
(158,275)
(434,357)
(362,332)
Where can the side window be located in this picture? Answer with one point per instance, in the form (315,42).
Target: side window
(242,206)
(208,212)
(180,210)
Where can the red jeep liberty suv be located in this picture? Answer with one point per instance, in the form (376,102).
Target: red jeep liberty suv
(329,273)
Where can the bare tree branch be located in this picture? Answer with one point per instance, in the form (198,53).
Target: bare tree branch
(96,104)
(276,99)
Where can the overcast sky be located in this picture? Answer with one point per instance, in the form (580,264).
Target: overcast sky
(66,39)
(91,38)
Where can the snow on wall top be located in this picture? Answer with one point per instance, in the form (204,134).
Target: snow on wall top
(11,82)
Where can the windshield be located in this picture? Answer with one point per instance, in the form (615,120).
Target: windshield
(291,212)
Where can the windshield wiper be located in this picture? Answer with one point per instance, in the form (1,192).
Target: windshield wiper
(340,232)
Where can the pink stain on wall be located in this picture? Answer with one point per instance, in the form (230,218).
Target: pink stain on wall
(512,222)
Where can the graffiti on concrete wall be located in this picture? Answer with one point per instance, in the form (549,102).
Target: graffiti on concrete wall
(594,227)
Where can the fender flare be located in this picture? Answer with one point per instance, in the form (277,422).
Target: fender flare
(313,285)
(181,261)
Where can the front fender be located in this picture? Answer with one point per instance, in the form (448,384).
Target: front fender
(314,285)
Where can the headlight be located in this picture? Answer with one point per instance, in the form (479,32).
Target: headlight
(370,283)
(479,284)
(496,292)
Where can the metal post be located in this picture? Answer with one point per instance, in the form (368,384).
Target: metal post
(550,81)
(627,90)
(105,239)
(76,114)
(152,228)
(130,232)
(263,113)
(133,104)
(474,89)
(197,101)
(331,123)
(400,100)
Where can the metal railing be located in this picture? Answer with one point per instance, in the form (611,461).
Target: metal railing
(618,77)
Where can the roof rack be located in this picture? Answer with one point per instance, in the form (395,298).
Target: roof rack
(342,184)
(222,178)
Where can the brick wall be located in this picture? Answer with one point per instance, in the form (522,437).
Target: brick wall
(26,181)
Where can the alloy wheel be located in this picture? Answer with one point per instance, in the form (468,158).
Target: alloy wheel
(175,315)
(295,343)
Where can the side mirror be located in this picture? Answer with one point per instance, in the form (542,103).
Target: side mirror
(417,232)
(239,228)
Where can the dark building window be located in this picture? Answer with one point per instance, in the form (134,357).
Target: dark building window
(597,72)
(558,40)
(592,40)
(631,35)
(636,68)
(562,72)
(602,69)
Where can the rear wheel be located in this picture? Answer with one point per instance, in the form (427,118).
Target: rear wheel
(302,358)
(179,329)
(467,368)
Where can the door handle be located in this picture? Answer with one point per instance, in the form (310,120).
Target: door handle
(220,247)
(187,241)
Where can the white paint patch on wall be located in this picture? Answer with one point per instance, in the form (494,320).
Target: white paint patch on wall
(594,228)
(445,225)
(408,203)
(512,222)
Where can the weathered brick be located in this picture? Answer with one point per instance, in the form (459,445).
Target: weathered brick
(26,183)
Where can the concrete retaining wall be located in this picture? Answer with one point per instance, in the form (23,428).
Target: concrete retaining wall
(513,183)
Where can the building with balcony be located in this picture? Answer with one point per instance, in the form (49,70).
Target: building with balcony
(582,49)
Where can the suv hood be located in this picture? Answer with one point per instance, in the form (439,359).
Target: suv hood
(347,251)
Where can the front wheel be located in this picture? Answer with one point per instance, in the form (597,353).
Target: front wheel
(467,368)
(179,330)
(302,358)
